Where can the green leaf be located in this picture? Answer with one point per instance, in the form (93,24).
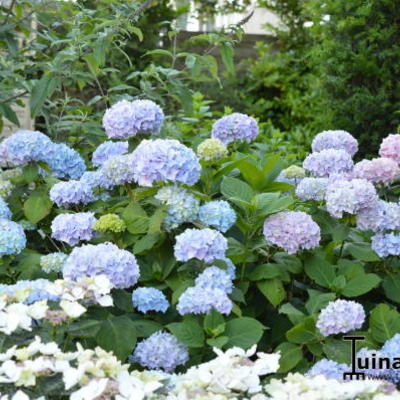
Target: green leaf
(235,189)
(156,220)
(273,290)
(303,333)
(265,271)
(319,270)
(317,300)
(135,218)
(145,328)
(122,300)
(137,32)
(9,113)
(338,350)
(391,286)
(360,285)
(295,316)
(92,63)
(243,332)
(213,322)
(86,328)
(362,251)
(41,91)
(384,323)
(218,342)
(147,242)
(290,356)
(117,334)
(251,173)
(270,203)
(227,53)
(188,333)
(37,207)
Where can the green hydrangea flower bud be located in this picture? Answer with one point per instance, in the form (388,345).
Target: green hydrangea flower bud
(53,262)
(111,223)
(295,172)
(6,188)
(211,149)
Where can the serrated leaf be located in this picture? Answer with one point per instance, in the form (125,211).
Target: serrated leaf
(243,332)
(273,290)
(384,323)
(37,207)
(290,356)
(361,284)
(188,333)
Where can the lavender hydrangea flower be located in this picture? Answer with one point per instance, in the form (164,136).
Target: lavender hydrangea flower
(5,212)
(201,300)
(366,355)
(312,189)
(64,161)
(165,160)
(350,197)
(338,140)
(53,262)
(12,238)
(72,228)
(71,192)
(37,287)
(391,349)
(182,206)
(149,299)
(329,161)
(204,244)
(390,147)
(96,179)
(340,316)
(378,170)
(385,245)
(218,214)
(292,230)
(118,170)
(107,150)
(382,216)
(160,351)
(328,368)
(126,119)
(233,127)
(25,146)
(118,265)
(215,278)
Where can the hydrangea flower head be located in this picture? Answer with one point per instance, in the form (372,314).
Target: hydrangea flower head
(328,368)
(338,140)
(378,170)
(5,212)
(148,116)
(211,149)
(64,161)
(350,197)
(182,206)
(382,216)
(12,237)
(6,187)
(107,150)
(25,146)
(37,287)
(149,299)
(53,262)
(292,230)
(340,316)
(312,188)
(96,179)
(202,300)
(71,192)
(217,214)
(165,160)
(118,170)
(233,127)
(118,265)
(391,349)
(11,174)
(327,162)
(386,244)
(204,244)
(390,147)
(215,278)
(161,350)
(110,223)
(294,172)
(72,228)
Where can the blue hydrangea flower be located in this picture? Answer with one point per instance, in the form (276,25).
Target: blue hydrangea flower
(328,368)
(37,288)
(391,349)
(53,262)
(215,278)
(64,161)
(385,245)
(204,244)
(118,265)
(233,127)
(340,316)
(12,238)
(71,192)
(327,162)
(230,267)
(107,150)
(201,300)
(350,197)
(338,140)
(165,160)
(366,355)
(161,350)
(118,170)
(96,179)
(218,214)
(149,299)
(5,212)
(383,216)
(182,206)
(25,146)
(126,119)
(312,188)
(72,228)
